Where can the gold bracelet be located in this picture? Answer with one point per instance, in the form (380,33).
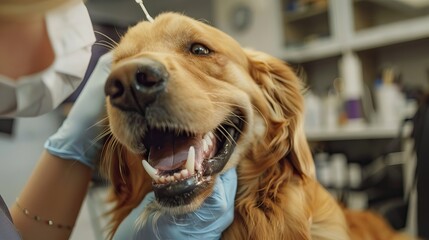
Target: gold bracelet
(37,218)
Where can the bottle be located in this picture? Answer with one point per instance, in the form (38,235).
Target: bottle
(351,73)
(331,104)
(389,100)
(313,111)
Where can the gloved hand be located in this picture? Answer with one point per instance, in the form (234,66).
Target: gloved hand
(77,137)
(207,222)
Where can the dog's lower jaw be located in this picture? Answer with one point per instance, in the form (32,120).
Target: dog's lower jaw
(156,209)
(183,193)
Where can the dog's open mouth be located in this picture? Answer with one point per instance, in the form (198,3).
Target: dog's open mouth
(181,163)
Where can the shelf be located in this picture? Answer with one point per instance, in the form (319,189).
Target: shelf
(380,36)
(352,133)
(405,5)
(306,24)
(373,13)
(308,49)
(389,34)
(305,14)
(317,49)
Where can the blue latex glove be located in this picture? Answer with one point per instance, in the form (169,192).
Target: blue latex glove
(77,137)
(208,222)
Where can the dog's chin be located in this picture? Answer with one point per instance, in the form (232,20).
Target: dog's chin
(187,201)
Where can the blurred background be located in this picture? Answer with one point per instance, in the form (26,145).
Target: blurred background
(366,68)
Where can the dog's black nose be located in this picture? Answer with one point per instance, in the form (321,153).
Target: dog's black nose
(134,84)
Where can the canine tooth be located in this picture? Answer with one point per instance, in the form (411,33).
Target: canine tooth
(162,179)
(150,170)
(190,162)
(184,173)
(205,146)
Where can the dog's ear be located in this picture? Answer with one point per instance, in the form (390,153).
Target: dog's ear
(282,107)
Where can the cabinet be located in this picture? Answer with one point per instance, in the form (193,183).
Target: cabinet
(319,35)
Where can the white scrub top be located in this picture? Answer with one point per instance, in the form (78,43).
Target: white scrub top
(72,36)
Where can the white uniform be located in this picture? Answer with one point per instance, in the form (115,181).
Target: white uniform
(71,36)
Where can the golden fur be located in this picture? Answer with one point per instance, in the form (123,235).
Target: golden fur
(278,196)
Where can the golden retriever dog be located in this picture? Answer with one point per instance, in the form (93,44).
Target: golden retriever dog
(191,102)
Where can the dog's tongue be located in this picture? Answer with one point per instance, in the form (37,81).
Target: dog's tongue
(169,151)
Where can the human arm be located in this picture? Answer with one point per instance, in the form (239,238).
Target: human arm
(207,222)
(59,183)
(54,191)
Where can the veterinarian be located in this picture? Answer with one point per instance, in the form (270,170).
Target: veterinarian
(45,47)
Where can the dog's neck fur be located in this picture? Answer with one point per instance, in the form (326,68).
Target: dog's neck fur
(261,202)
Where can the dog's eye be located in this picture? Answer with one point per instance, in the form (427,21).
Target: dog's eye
(199,49)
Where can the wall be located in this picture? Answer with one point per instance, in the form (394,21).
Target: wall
(125,13)
(411,59)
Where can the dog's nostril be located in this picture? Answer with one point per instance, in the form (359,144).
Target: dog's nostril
(116,89)
(146,80)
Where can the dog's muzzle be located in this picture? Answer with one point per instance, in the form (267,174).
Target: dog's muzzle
(134,84)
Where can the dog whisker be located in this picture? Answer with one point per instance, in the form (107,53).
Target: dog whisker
(229,122)
(111,147)
(97,139)
(113,42)
(219,104)
(121,167)
(102,135)
(107,43)
(239,117)
(118,147)
(226,134)
(105,119)
(106,131)
(104,45)
(118,34)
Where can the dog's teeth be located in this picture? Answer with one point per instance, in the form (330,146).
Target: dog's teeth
(150,170)
(184,173)
(162,179)
(167,179)
(190,163)
(208,140)
(171,178)
(177,176)
(211,135)
(205,145)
